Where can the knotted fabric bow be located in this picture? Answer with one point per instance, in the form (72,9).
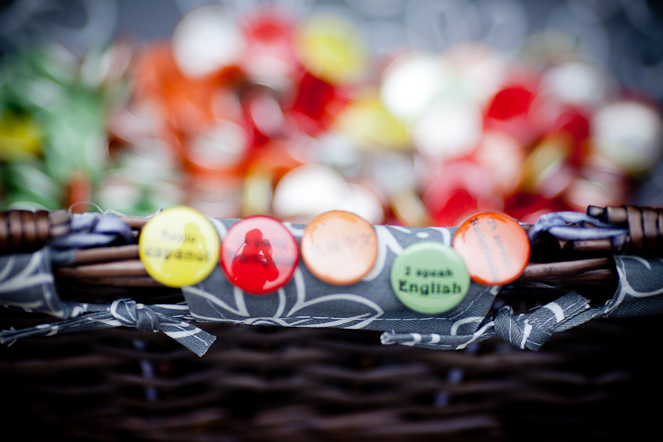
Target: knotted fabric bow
(167,318)
(526,331)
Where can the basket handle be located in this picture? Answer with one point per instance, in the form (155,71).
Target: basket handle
(645,227)
(27,231)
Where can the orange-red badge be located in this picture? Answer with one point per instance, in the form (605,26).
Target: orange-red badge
(494,246)
(339,247)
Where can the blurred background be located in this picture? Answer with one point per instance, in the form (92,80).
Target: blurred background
(406,112)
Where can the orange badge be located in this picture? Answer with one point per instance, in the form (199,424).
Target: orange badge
(339,247)
(494,246)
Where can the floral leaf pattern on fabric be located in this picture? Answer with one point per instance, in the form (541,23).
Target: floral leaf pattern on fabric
(640,290)
(26,282)
(171,319)
(308,302)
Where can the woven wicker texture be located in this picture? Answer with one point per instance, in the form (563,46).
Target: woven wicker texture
(599,380)
(312,384)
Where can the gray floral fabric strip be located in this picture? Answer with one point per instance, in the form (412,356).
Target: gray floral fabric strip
(26,281)
(525,331)
(640,290)
(368,304)
(169,319)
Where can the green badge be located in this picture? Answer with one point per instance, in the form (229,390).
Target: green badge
(429,277)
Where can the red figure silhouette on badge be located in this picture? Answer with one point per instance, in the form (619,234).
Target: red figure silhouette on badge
(259,255)
(253,263)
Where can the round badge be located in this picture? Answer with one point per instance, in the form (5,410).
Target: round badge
(259,255)
(339,247)
(179,246)
(429,277)
(494,246)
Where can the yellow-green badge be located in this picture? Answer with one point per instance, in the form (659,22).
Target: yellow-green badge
(429,277)
(179,247)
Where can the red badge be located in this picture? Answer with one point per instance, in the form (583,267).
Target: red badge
(259,255)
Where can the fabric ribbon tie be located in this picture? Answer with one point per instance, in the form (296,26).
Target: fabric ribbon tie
(525,330)
(132,314)
(93,230)
(167,318)
(531,330)
(573,226)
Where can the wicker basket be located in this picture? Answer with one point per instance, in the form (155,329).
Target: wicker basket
(598,380)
